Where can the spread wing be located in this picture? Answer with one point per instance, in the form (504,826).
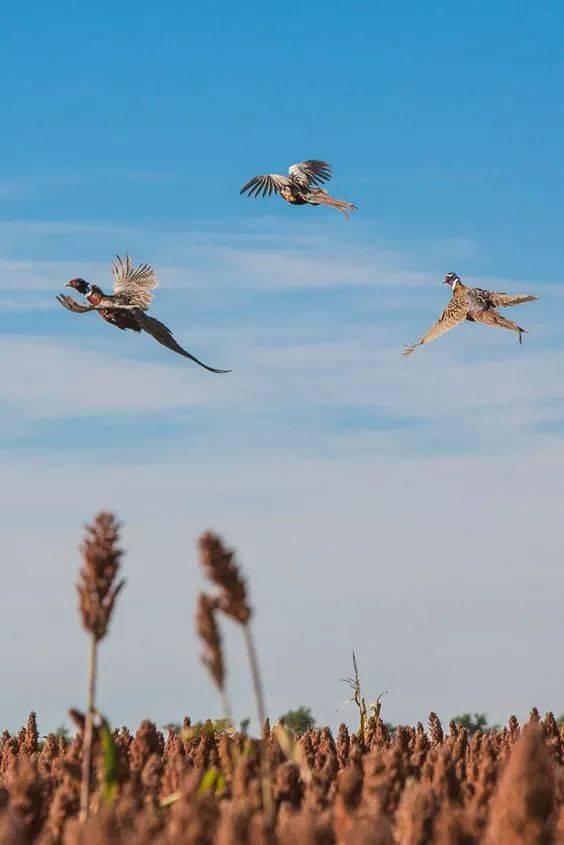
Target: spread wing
(454,313)
(134,283)
(311,172)
(163,335)
(261,186)
(72,305)
(506,300)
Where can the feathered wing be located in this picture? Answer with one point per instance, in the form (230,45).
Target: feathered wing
(506,300)
(72,305)
(454,313)
(163,335)
(262,186)
(134,283)
(310,172)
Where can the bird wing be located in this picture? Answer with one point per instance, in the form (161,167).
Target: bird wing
(454,313)
(72,305)
(506,300)
(134,283)
(163,335)
(311,172)
(261,186)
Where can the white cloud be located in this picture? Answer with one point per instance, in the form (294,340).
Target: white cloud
(264,256)
(41,378)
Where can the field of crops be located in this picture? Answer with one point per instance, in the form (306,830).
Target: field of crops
(209,783)
(203,785)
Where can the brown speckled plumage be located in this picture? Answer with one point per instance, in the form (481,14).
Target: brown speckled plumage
(299,187)
(126,307)
(476,305)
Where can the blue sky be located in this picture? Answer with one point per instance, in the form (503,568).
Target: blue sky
(409,509)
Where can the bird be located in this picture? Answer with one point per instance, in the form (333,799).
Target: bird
(300,186)
(126,307)
(474,304)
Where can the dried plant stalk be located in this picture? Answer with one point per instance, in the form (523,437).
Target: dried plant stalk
(359,700)
(220,567)
(97,591)
(255,673)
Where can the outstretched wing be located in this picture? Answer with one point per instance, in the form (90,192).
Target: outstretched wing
(72,305)
(506,300)
(134,283)
(163,335)
(261,186)
(311,172)
(454,313)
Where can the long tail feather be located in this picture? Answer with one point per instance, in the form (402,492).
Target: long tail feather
(323,198)
(163,335)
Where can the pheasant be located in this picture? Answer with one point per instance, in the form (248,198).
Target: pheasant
(126,307)
(299,187)
(476,305)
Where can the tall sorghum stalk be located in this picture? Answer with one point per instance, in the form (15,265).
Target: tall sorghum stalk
(97,591)
(220,567)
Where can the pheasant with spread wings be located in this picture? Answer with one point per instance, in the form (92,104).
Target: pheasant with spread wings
(300,186)
(476,305)
(126,307)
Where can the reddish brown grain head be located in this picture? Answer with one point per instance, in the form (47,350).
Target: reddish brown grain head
(435,729)
(31,735)
(98,587)
(208,631)
(220,567)
(523,804)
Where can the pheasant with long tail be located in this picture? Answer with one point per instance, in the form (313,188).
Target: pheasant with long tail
(126,307)
(300,186)
(474,304)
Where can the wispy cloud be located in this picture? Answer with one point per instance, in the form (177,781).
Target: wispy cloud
(243,259)
(252,261)
(352,390)
(43,379)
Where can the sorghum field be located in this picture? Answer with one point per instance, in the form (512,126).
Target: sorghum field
(208,783)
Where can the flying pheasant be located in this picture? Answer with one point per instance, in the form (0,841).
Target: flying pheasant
(300,186)
(126,307)
(476,305)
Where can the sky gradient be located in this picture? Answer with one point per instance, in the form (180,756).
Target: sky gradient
(410,510)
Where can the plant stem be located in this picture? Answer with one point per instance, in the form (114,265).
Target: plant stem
(88,730)
(265,776)
(225,706)
(255,672)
